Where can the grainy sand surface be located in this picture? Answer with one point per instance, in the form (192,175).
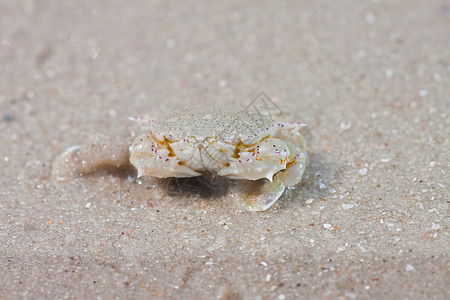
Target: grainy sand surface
(370,220)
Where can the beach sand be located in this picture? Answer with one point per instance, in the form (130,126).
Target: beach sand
(370,219)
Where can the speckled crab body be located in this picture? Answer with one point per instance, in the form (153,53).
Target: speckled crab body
(235,144)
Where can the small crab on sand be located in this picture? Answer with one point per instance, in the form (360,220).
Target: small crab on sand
(235,144)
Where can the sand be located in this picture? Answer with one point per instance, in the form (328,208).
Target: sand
(370,220)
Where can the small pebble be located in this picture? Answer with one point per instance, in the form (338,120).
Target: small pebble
(7,117)
(222,83)
(345,126)
(363,171)
(347,206)
(309,201)
(409,267)
(435,226)
(423,93)
(389,73)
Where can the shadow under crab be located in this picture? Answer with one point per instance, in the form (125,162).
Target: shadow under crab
(205,186)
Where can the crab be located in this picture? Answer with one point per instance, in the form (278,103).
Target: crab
(239,145)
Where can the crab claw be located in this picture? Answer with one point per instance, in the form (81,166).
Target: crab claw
(262,198)
(259,197)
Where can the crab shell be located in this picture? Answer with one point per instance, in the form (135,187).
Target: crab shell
(235,144)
